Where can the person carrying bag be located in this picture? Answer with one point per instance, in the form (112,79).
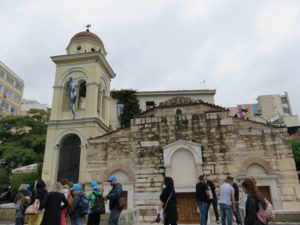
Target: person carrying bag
(168,203)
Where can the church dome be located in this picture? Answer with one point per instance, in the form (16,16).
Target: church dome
(85,41)
(87,36)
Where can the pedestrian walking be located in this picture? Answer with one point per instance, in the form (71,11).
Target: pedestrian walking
(21,202)
(202,196)
(236,213)
(64,189)
(79,207)
(52,205)
(40,193)
(254,198)
(96,205)
(114,201)
(168,202)
(23,189)
(227,202)
(213,199)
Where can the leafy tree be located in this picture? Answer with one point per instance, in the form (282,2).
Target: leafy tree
(131,105)
(295,143)
(3,179)
(23,139)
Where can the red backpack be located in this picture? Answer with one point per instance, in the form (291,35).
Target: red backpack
(266,215)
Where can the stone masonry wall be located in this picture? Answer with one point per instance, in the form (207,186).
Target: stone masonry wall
(229,146)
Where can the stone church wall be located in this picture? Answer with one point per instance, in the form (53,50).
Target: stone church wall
(228,145)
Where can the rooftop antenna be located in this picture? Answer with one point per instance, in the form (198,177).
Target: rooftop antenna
(88,27)
(204,84)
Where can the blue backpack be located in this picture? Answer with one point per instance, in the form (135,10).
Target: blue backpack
(84,205)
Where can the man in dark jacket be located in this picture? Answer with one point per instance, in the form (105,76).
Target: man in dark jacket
(113,196)
(237,214)
(212,199)
(202,196)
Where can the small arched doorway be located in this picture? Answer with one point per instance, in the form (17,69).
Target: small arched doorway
(266,180)
(183,162)
(69,158)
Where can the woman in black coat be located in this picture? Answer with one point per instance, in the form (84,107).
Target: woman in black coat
(252,203)
(169,204)
(52,205)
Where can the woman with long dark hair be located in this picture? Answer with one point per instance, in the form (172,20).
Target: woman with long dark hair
(168,202)
(53,203)
(254,198)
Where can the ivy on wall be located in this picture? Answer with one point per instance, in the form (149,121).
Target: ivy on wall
(130,103)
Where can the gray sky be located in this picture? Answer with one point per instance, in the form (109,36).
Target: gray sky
(241,48)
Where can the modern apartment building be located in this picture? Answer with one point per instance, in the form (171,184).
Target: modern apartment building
(11,91)
(271,109)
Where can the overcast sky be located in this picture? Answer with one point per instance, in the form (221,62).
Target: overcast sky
(241,48)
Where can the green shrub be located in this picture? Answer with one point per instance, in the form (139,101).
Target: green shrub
(3,180)
(131,108)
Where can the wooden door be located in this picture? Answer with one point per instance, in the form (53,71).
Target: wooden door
(187,208)
(265,191)
(69,158)
(125,195)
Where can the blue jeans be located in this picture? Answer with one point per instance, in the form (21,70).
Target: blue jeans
(77,221)
(237,214)
(114,217)
(203,210)
(226,212)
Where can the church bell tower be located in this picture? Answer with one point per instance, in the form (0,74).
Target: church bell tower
(80,107)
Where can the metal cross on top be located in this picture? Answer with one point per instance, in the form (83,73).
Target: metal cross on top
(87,27)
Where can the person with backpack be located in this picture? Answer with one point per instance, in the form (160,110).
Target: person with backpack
(96,204)
(114,197)
(79,207)
(253,203)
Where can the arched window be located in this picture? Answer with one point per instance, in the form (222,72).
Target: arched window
(69,151)
(103,103)
(82,94)
(99,100)
(66,97)
(178,112)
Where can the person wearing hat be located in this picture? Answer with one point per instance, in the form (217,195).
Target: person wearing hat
(75,207)
(96,204)
(113,196)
